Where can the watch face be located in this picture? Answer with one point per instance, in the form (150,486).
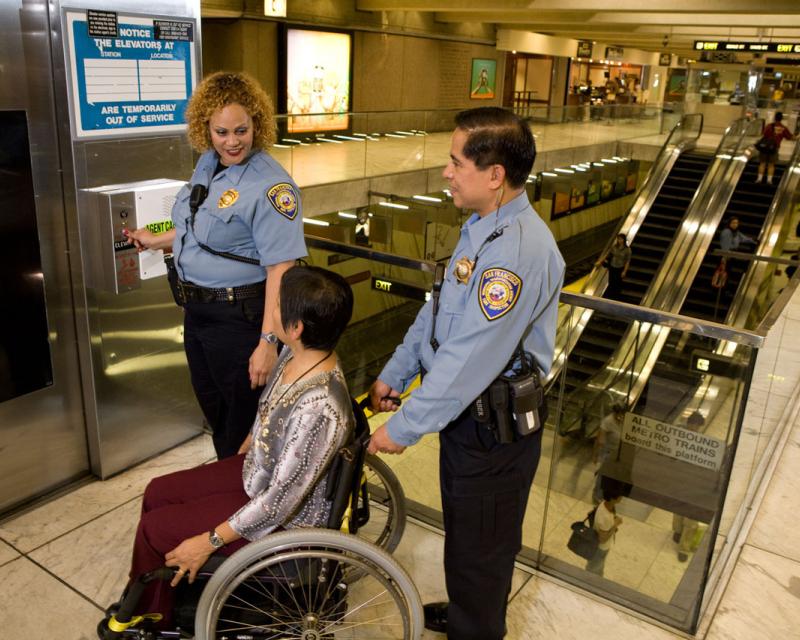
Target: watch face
(216,540)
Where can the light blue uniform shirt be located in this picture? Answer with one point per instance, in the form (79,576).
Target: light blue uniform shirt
(512,294)
(263,222)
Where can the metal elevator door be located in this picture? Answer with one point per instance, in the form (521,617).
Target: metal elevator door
(42,426)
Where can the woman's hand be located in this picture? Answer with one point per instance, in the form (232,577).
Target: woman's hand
(262,362)
(188,557)
(145,239)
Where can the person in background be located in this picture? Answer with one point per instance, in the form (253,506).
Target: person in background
(230,253)
(606,523)
(777,132)
(617,260)
(607,441)
(684,529)
(731,239)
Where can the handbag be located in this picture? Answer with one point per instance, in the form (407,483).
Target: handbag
(584,539)
(766,145)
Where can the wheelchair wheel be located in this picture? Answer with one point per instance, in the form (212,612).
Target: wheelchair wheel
(387,511)
(294,585)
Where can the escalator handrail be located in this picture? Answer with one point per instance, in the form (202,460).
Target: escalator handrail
(770,240)
(682,138)
(688,247)
(639,347)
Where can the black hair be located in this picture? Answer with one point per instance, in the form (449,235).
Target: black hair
(732,218)
(498,136)
(611,488)
(624,238)
(618,407)
(696,419)
(320,299)
(778,116)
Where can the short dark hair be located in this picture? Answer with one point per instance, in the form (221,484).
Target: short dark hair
(695,420)
(778,116)
(611,488)
(320,299)
(499,136)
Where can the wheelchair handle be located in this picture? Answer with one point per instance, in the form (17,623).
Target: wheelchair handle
(366,404)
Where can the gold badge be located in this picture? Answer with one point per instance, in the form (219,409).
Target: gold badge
(463,270)
(228,198)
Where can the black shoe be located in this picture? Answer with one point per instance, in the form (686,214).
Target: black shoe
(676,537)
(683,557)
(436,616)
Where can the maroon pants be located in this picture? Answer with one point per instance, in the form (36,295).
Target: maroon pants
(178,506)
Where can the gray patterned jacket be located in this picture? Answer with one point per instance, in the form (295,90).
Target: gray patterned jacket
(295,435)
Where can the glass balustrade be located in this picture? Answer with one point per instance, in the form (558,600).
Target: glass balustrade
(325,148)
(677,458)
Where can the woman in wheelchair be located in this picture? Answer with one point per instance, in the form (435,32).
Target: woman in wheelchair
(277,481)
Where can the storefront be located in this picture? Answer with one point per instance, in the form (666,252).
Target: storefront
(604,81)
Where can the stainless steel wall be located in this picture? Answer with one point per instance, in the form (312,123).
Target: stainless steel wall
(136,385)
(42,433)
(120,388)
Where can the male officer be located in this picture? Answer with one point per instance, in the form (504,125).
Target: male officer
(500,290)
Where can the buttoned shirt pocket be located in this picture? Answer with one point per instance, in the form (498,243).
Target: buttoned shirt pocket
(221,229)
(452,303)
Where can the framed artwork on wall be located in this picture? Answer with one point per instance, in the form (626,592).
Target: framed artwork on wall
(317,79)
(483,80)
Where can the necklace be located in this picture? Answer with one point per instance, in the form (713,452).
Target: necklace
(300,377)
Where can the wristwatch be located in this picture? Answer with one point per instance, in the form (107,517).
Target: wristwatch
(269,338)
(215,539)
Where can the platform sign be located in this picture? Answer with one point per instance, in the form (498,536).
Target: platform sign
(672,441)
(128,74)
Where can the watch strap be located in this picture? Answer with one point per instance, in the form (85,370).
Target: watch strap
(269,338)
(215,539)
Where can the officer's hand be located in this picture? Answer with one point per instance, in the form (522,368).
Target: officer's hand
(261,363)
(380,442)
(377,392)
(143,238)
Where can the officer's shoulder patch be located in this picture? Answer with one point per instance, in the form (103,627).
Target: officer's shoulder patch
(283,199)
(498,292)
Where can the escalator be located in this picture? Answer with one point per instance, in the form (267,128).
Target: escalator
(750,204)
(601,336)
(672,383)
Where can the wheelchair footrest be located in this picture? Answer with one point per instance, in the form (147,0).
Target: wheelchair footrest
(118,627)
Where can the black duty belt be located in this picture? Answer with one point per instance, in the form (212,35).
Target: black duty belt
(189,292)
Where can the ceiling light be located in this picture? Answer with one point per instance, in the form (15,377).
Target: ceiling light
(319,223)
(394,205)
(345,214)
(427,198)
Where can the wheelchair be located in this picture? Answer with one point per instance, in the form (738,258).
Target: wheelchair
(301,584)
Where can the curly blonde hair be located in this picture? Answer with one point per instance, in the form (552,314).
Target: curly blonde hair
(221,89)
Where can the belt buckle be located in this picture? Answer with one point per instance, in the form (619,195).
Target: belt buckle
(231,296)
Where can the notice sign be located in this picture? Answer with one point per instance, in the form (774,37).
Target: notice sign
(675,442)
(128,73)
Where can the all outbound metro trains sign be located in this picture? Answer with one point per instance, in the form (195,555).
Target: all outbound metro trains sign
(128,73)
(752,47)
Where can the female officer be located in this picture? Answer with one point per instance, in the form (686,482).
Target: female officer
(237,219)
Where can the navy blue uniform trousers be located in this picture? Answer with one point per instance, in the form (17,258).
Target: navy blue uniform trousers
(485,487)
(219,339)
